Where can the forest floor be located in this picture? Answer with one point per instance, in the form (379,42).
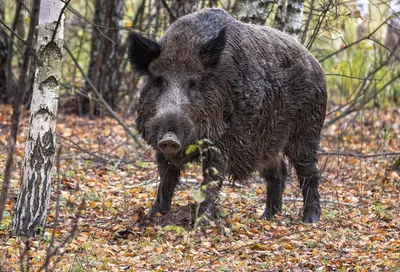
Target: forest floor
(108,185)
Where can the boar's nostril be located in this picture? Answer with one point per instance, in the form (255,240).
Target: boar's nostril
(169,144)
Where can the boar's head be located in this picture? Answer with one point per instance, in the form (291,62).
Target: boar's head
(183,97)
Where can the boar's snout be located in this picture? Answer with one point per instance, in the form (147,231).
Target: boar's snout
(169,144)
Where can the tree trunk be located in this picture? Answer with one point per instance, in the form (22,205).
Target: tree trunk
(105,56)
(256,11)
(180,8)
(31,209)
(393,31)
(280,16)
(362,14)
(3,57)
(18,97)
(294,13)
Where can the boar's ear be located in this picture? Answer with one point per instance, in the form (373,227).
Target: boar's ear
(141,52)
(211,51)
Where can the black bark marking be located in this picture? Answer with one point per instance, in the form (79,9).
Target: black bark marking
(41,158)
(51,82)
(45,111)
(47,56)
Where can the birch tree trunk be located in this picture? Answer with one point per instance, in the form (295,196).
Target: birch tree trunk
(31,209)
(280,17)
(294,13)
(256,11)
(393,31)
(180,8)
(3,57)
(363,13)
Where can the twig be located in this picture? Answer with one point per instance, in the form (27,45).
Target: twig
(357,155)
(96,26)
(59,19)
(229,250)
(81,149)
(27,245)
(68,238)
(13,32)
(110,111)
(173,17)
(322,201)
(48,256)
(354,43)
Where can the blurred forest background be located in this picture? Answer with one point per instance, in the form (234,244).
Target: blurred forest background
(355,41)
(105,176)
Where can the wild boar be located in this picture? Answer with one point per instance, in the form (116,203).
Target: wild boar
(254,92)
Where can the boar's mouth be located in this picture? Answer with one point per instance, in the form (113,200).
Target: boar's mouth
(170,135)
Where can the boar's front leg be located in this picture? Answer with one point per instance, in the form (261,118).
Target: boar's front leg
(169,178)
(213,174)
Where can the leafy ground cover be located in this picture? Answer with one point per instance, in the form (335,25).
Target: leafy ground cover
(107,185)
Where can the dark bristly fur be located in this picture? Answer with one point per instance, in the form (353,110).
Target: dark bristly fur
(255,92)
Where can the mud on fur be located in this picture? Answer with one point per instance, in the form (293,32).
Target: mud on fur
(253,91)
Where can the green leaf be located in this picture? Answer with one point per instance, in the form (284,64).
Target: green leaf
(191,149)
(175,228)
(199,196)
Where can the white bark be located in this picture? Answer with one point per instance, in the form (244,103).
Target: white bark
(393,31)
(363,14)
(294,13)
(33,199)
(280,17)
(256,11)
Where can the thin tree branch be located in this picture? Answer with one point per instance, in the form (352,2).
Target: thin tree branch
(13,32)
(358,155)
(354,43)
(110,111)
(173,17)
(53,235)
(71,236)
(59,20)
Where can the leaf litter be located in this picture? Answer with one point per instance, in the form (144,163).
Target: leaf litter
(359,228)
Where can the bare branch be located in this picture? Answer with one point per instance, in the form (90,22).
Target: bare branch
(112,113)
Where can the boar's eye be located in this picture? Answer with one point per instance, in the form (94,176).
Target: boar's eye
(158,81)
(192,88)
(191,84)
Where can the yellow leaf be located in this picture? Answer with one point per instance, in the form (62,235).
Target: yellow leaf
(259,191)
(354,160)
(127,24)
(107,204)
(256,246)
(10,250)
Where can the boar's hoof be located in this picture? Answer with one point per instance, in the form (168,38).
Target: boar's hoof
(157,209)
(169,144)
(267,215)
(311,215)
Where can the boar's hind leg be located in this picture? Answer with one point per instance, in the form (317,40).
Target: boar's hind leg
(275,175)
(309,177)
(169,178)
